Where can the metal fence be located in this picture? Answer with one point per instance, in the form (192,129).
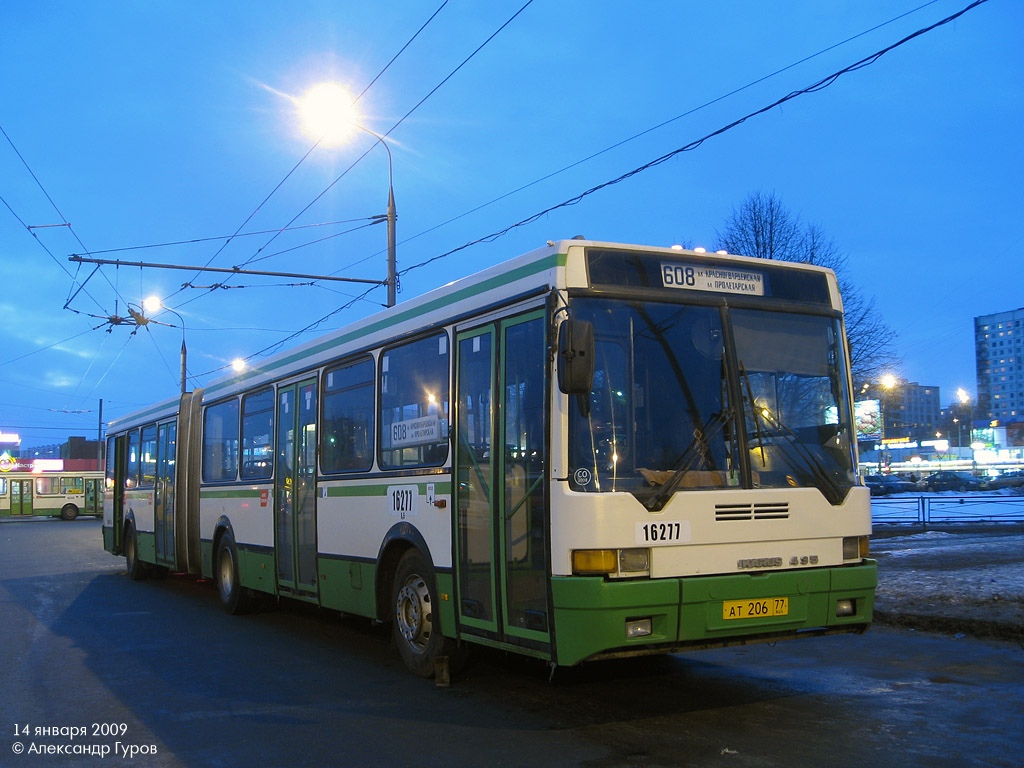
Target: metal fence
(940,510)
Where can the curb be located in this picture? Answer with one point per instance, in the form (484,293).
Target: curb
(978,628)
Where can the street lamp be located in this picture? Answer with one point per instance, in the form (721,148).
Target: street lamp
(328,112)
(964,397)
(392,215)
(888,382)
(154,305)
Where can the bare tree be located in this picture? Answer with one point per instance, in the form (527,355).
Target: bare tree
(762,227)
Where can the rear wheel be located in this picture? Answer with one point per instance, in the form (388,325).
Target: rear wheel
(69,512)
(234,598)
(416,618)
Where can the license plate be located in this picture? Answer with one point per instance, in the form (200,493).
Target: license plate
(755,609)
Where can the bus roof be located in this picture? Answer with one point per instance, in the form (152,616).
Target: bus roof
(530,274)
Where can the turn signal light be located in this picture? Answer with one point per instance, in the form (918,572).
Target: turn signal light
(589,562)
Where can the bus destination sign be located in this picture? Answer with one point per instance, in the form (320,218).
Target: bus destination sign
(701,277)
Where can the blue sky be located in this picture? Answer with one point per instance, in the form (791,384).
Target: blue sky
(148,123)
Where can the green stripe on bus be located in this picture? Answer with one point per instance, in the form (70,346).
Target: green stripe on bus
(376,489)
(541,265)
(441,489)
(231,493)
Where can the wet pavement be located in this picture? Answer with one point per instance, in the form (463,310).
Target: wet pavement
(961,580)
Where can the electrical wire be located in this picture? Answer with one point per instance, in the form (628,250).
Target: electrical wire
(63,218)
(48,346)
(814,88)
(653,128)
(402,119)
(310,151)
(195,240)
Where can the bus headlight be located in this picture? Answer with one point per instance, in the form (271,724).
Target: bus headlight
(855,547)
(634,560)
(639,628)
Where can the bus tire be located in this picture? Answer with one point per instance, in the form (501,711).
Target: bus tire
(234,598)
(137,570)
(69,512)
(416,618)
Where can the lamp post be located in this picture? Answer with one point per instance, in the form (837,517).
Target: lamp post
(392,214)
(964,397)
(888,382)
(152,305)
(328,112)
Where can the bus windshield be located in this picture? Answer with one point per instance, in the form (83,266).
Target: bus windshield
(697,397)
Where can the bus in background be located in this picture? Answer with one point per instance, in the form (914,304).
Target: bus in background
(53,487)
(590,451)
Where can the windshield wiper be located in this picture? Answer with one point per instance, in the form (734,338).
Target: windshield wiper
(794,448)
(701,445)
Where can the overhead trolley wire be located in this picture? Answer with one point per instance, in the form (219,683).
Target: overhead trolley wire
(400,121)
(653,128)
(303,159)
(64,222)
(814,88)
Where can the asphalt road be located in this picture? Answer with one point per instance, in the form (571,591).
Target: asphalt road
(161,669)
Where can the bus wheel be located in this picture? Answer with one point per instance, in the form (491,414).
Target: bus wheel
(69,512)
(136,568)
(417,620)
(234,598)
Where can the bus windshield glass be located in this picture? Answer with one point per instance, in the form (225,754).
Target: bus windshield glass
(698,397)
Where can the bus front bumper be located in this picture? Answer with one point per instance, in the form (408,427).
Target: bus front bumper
(602,618)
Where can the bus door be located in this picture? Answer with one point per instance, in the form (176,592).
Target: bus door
(163,496)
(295,488)
(21,497)
(502,558)
(93,496)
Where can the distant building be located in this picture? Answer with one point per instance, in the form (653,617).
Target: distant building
(999,358)
(44,451)
(910,410)
(84,454)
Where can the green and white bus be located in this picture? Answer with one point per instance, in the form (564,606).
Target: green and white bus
(593,450)
(43,487)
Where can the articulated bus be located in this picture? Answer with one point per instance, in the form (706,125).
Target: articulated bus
(32,487)
(590,451)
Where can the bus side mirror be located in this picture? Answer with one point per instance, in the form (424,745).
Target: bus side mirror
(576,357)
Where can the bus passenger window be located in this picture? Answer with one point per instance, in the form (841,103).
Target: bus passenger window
(414,403)
(131,479)
(348,418)
(258,436)
(147,457)
(220,442)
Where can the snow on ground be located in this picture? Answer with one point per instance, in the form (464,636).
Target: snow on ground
(973,578)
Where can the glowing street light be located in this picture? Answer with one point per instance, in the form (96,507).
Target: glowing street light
(152,305)
(964,397)
(888,382)
(328,113)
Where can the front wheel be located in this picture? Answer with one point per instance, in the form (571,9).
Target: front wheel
(137,569)
(416,619)
(69,512)
(234,598)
